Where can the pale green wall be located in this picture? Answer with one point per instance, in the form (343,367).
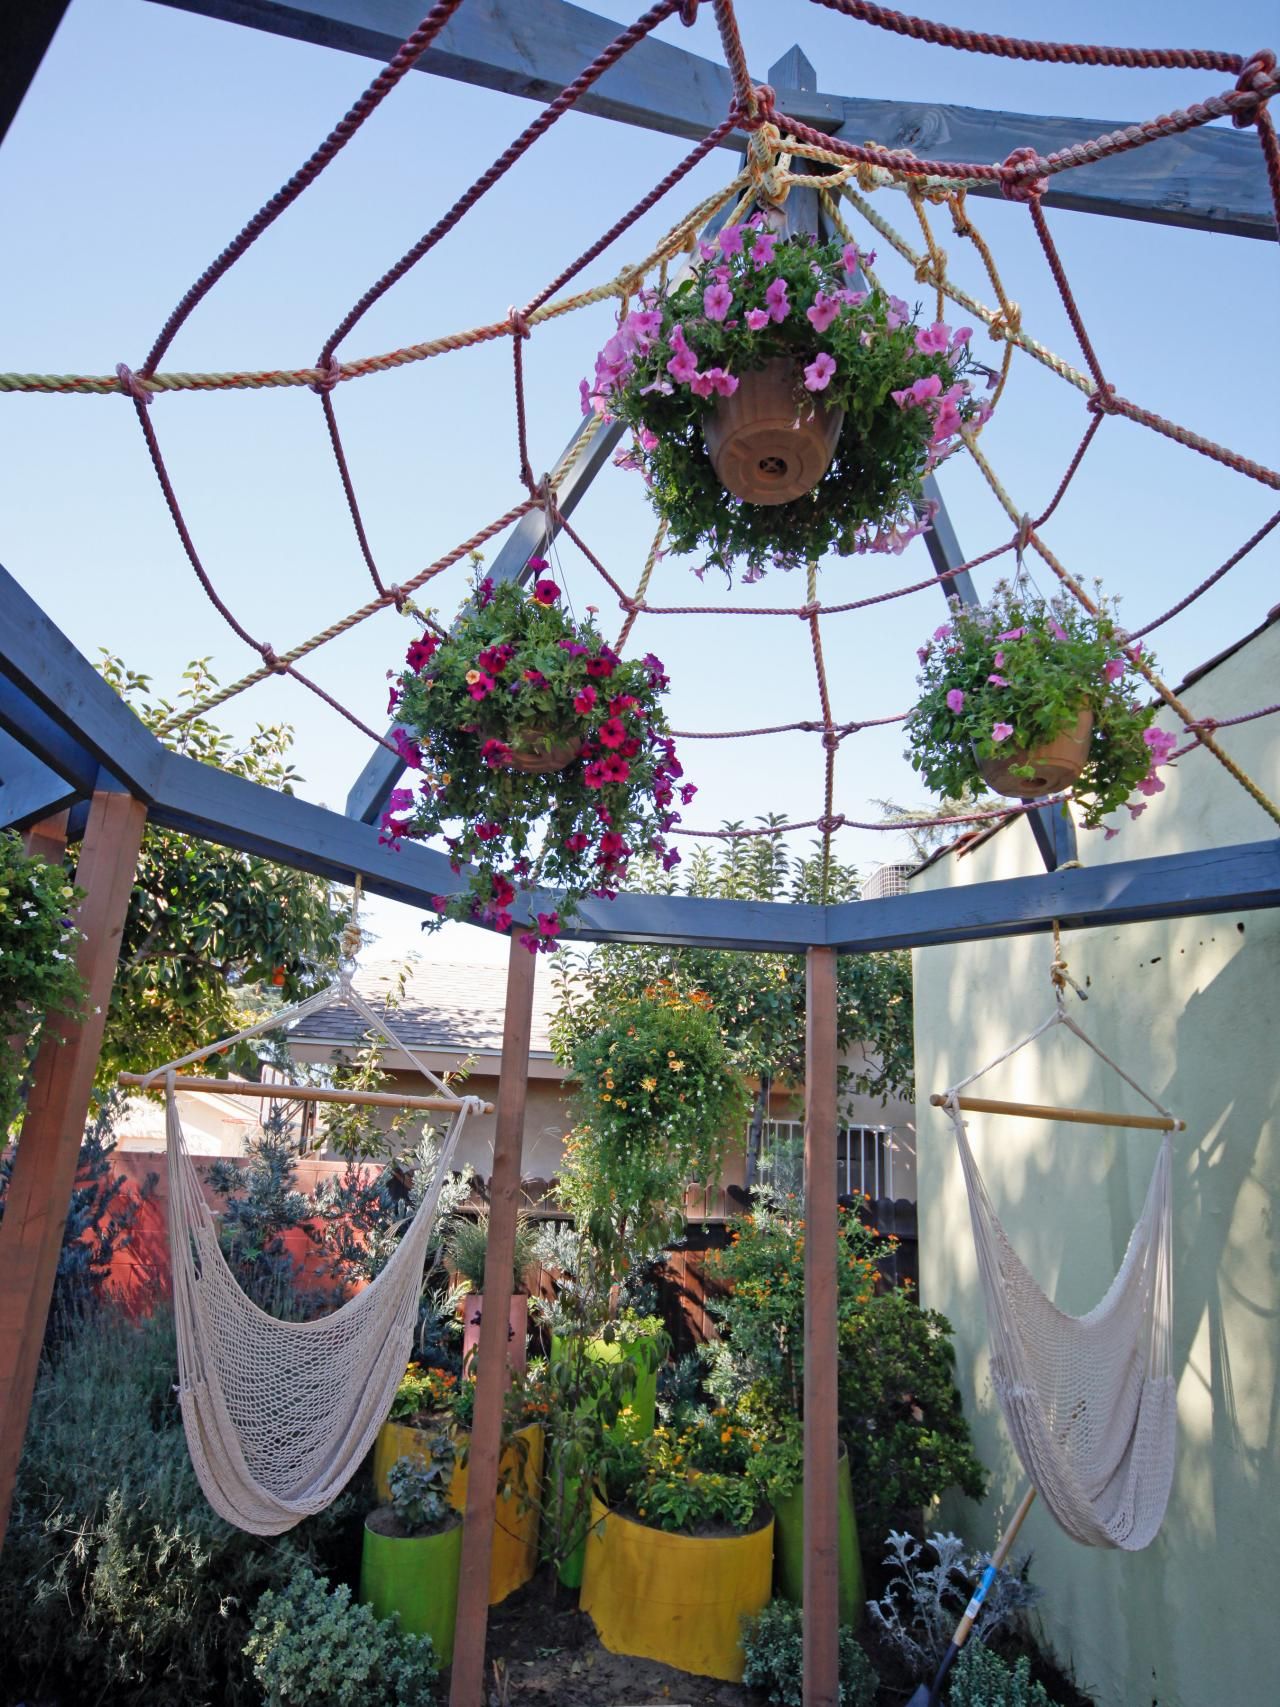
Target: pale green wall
(1192,1008)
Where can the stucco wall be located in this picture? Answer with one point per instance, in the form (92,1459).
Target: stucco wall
(1191,1008)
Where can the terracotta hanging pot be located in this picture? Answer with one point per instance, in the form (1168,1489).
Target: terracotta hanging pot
(531,752)
(772,441)
(1058,763)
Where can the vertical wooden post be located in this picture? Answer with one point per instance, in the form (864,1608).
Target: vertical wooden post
(44,1169)
(821,1338)
(467,1683)
(47,840)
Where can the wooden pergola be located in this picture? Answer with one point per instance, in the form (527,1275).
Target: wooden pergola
(77,765)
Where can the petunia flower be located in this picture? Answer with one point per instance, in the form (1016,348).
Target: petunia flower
(717,299)
(850,259)
(762,249)
(421,652)
(955,699)
(776,299)
(487,830)
(997,681)
(545,592)
(817,376)
(578,842)
(612,733)
(584,699)
(824,310)
(1012,634)
(479,686)
(593,775)
(604,665)
(484,592)
(897,313)
(683,365)
(933,340)
(1160,744)
(961,337)
(1113,669)
(757,319)
(495,754)
(614,768)
(1001,731)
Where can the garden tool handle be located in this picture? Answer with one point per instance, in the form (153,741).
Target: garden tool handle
(980,1593)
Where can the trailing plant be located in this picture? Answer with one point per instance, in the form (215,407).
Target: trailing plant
(980,1678)
(689,1480)
(466,1245)
(1016,673)
(118,1582)
(519,680)
(922,1603)
(758,297)
(419,1487)
(773,1649)
(313,1646)
(38,975)
(213,937)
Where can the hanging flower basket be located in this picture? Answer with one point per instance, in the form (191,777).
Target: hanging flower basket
(543,758)
(767,443)
(1033,698)
(820,407)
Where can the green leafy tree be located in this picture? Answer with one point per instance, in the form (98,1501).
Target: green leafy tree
(211,930)
(758,999)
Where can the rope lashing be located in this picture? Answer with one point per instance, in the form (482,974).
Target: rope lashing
(1026,184)
(1059,973)
(327,377)
(1257,80)
(132,386)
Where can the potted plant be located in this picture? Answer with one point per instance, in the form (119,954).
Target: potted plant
(514,1556)
(413,1547)
(546,752)
(681,1548)
(422,1410)
(466,1247)
(1029,696)
(818,405)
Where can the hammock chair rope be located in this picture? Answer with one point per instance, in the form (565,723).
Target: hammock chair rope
(1089,1400)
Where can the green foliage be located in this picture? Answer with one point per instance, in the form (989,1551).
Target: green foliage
(687,1480)
(927,1585)
(423,1396)
(420,1487)
(38,973)
(885,448)
(758,999)
(117,1581)
(208,927)
(981,1678)
(260,1204)
(773,1646)
(1021,664)
(466,1245)
(313,1647)
(518,675)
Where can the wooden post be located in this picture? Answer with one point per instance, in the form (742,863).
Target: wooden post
(467,1683)
(47,840)
(44,1169)
(821,1334)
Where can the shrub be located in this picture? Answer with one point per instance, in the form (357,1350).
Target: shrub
(982,1679)
(420,1488)
(311,1647)
(922,1603)
(38,973)
(773,1645)
(118,1583)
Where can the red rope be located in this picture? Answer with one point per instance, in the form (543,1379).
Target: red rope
(405,58)
(1209,580)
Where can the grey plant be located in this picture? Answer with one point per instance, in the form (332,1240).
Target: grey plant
(922,1603)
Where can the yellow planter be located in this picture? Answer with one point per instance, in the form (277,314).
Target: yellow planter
(679,1599)
(515,1534)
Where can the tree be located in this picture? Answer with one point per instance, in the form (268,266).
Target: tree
(759,999)
(210,930)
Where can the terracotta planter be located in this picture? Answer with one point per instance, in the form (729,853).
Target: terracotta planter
(772,441)
(1058,763)
(517,1329)
(515,1535)
(532,752)
(679,1599)
(788,1546)
(416,1576)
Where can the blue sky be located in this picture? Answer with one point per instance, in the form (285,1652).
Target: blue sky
(150,136)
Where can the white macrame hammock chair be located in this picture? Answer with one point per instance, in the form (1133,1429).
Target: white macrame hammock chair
(1089,1400)
(279,1415)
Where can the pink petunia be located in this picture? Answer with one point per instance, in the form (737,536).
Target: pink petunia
(1160,745)
(933,340)
(722,383)
(850,259)
(955,699)
(757,319)
(962,337)
(817,376)
(1012,634)
(612,733)
(824,310)
(1001,731)
(997,681)
(731,240)
(545,593)
(717,300)
(998,660)
(1113,669)
(762,249)
(776,300)
(944,633)
(578,842)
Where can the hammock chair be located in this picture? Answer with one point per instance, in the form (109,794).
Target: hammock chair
(1089,1400)
(279,1415)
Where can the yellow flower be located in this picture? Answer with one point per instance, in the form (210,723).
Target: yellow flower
(726,1436)
(676,1066)
(649,1084)
(472,677)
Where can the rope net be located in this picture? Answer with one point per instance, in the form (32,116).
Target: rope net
(855,183)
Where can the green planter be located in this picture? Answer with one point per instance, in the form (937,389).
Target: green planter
(416,1576)
(788,1547)
(644,1412)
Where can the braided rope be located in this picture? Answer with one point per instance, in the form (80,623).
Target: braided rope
(642,586)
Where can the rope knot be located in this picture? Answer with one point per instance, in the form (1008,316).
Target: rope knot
(1006,323)
(757,109)
(868,176)
(806,612)
(327,377)
(830,740)
(1102,401)
(1259,80)
(931,269)
(518,323)
(1021,186)
(132,386)
(1024,534)
(397,596)
(273,663)
(828,825)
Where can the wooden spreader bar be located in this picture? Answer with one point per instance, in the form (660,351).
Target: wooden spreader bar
(299,1093)
(1081,1116)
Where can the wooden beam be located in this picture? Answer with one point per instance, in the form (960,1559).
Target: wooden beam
(29,790)
(43,737)
(28,29)
(821,1338)
(44,1169)
(1207,179)
(287,1091)
(1076,1116)
(529,538)
(467,1680)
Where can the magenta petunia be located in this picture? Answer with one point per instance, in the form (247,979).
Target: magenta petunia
(421,652)
(955,699)
(578,842)
(1113,669)
(933,340)
(997,681)
(584,699)
(757,319)
(612,733)
(717,299)
(776,300)
(545,592)
(495,754)
(614,768)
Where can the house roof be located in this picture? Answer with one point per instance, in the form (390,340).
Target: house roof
(448,1008)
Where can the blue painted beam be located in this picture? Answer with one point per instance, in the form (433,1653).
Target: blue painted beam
(1207,179)
(45,739)
(29,790)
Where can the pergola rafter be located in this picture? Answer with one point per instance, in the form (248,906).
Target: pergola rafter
(66,740)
